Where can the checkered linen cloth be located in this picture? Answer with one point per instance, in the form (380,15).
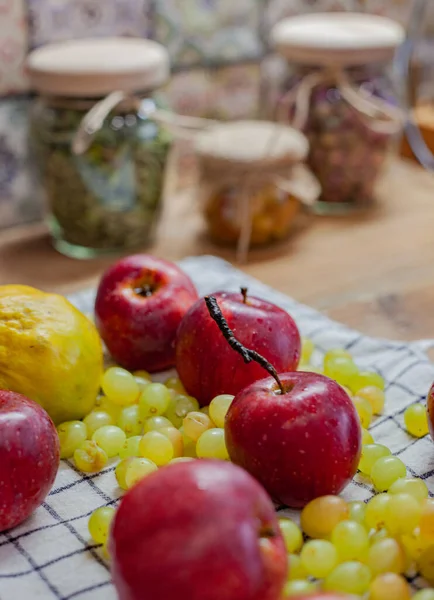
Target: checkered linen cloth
(51,555)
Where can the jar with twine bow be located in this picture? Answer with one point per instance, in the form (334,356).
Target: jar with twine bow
(342,94)
(101,155)
(252,181)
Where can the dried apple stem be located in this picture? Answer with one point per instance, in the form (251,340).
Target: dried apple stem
(248,355)
(244,291)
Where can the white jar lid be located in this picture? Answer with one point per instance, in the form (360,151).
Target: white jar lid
(250,143)
(337,38)
(97,67)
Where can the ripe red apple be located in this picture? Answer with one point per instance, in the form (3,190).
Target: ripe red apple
(139,305)
(199,530)
(29,457)
(301,444)
(430,410)
(207,365)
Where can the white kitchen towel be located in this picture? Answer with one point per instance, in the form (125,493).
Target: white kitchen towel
(51,555)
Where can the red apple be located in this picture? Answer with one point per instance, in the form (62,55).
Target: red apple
(207,365)
(139,305)
(199,530)
(29,457)
(301,444)
(430,410)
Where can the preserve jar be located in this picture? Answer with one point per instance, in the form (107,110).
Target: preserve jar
(342,93)
(252,182)
(100,153)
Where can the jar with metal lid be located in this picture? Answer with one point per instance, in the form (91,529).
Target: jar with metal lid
(252,181)
(341,92)
(100,153)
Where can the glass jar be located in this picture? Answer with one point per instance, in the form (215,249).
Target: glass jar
(252,182)
(103,170)
(341,93)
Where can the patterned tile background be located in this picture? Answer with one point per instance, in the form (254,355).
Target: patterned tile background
(13,46)
(215,45)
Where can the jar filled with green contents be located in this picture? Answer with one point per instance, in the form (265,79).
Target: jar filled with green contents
(101,153)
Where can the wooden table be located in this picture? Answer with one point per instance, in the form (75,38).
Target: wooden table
(374,273)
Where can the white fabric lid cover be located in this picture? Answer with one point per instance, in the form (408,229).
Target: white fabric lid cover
(97,67)
(337,38)
(247,142)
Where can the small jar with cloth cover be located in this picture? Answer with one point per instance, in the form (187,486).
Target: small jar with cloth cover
(342,93)
(101,155)
(252,181)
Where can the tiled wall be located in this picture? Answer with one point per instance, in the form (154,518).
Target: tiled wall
(216,47)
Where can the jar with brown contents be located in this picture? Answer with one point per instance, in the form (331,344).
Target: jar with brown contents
(341,92)
(252,181)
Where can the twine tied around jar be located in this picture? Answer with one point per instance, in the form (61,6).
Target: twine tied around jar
(377,114)
(254,154)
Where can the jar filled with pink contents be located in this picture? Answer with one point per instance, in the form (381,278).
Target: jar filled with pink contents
(342,93)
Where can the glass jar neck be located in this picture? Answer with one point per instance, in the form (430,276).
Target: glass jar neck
(85,104)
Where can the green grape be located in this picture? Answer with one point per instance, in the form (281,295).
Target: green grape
(370,454)
(366,437)
(219,407)
(71,435)
(375,514)
(389,585)
(103,404)
(427,518)
(175,384)
(386,556)
(194,424)
(211,444)
(295,568)
(119,386)
(90,458)
(426,564)
(341,369)
(366,379)
(291,534)
(416,420)
(179,408)
(175,436)
(319,558)
(137,469)
(364,410)
(375,396)
(427,594)
(336,353)
(377,535)
(320,516)
(129,421)
(410,485)
(156,447)
(142,379)
(349,578)
(307,349)
(121,471)
(386,471)
(96,419)
(154,400)
(130,447)
(415,544)
(99,523)
(403,513)
(299,587)
(351,540)
(110,438)
(156,423)
(180,459)
(357,512)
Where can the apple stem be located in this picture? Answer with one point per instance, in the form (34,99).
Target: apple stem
(144,290)
(248,355)
(244,291)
